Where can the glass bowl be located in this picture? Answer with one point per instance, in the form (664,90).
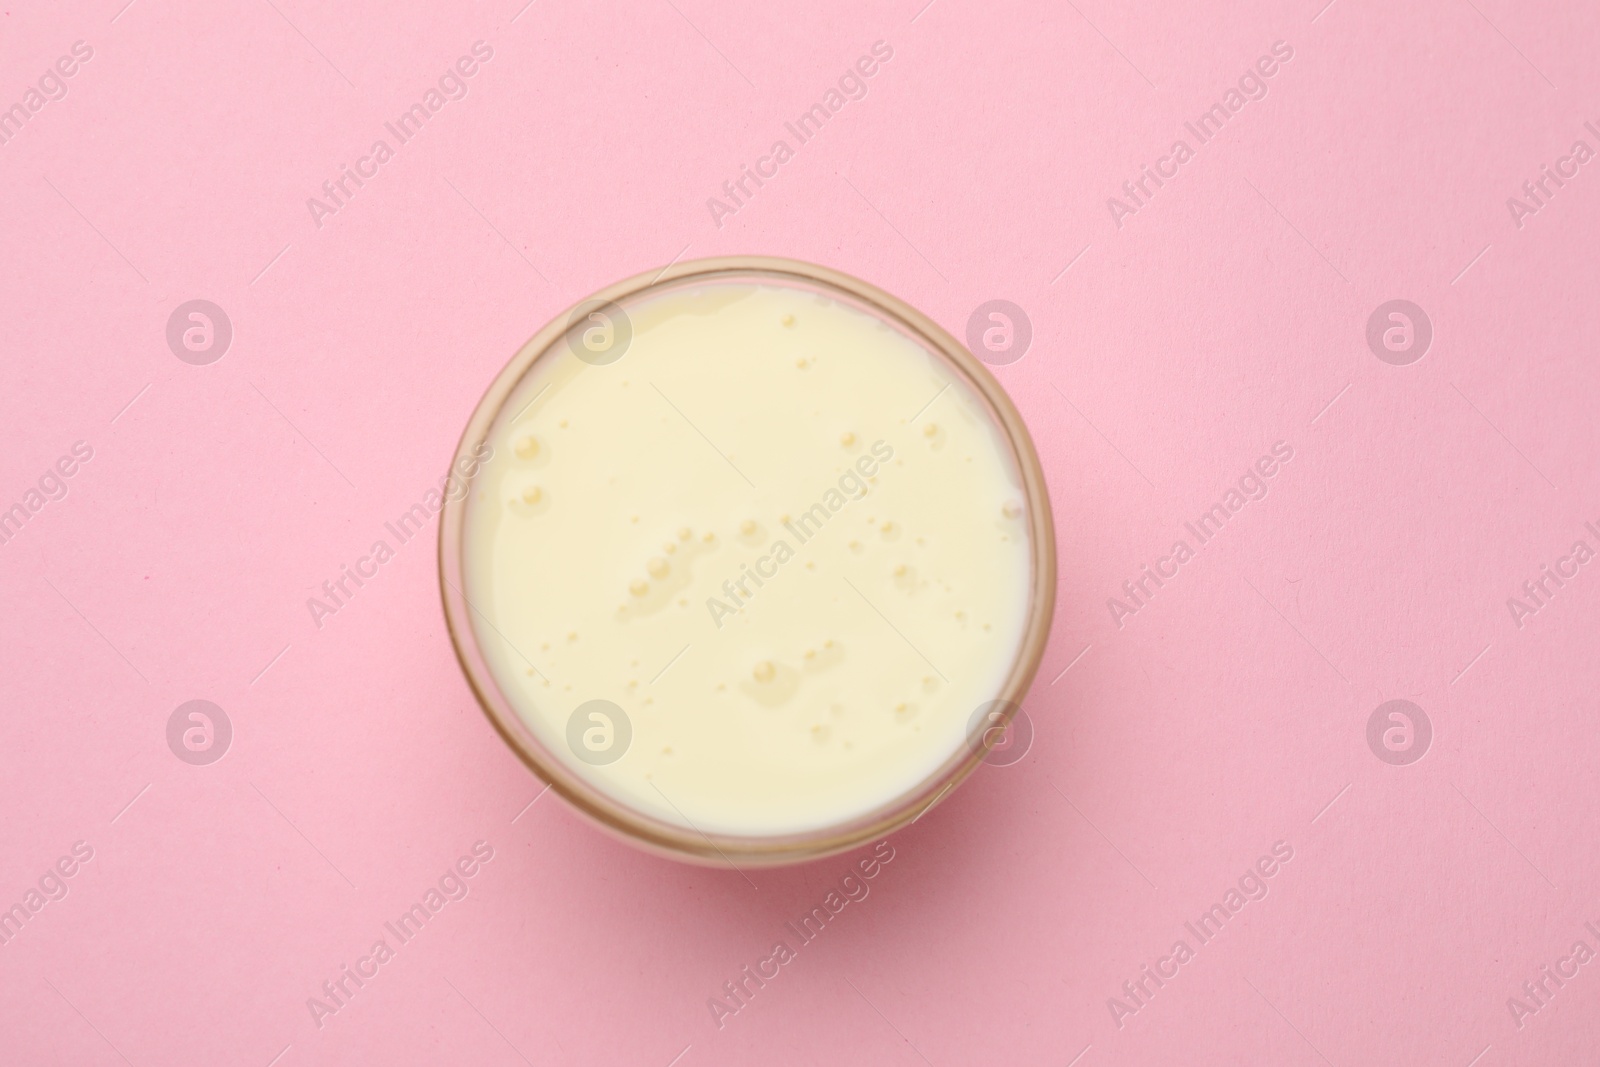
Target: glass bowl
(588,330)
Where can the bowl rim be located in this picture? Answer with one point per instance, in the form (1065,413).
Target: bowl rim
(730,850)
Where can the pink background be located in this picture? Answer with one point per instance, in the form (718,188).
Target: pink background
(1228,714)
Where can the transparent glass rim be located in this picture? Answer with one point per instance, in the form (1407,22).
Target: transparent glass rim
(729,850)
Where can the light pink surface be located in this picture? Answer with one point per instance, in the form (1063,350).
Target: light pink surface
(1228,714)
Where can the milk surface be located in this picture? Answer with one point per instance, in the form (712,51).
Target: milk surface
(775,556)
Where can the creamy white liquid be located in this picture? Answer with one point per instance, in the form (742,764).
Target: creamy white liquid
(622,497)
